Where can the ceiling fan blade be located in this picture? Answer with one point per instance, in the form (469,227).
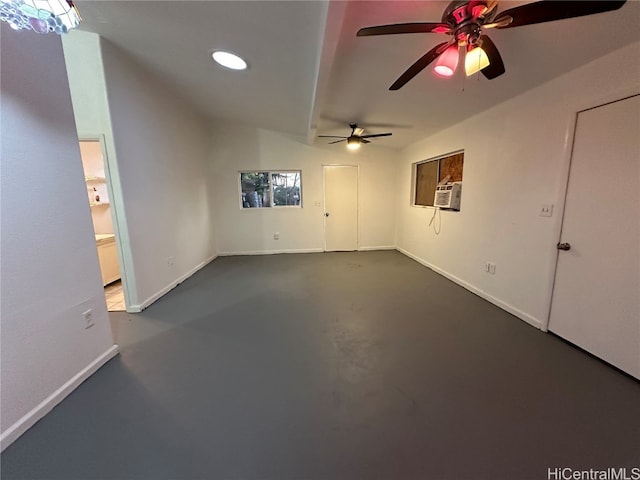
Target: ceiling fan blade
(496,65)
(491,4)
(337,141)
(330,136)
(404,28)
(376,135)
(419,65)
(503,23)
(364,141)
(550,10)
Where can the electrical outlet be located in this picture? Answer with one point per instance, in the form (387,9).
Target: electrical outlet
(492,268)
(276,236)
(546,210)
(170,262)
(88,318)
(486,267)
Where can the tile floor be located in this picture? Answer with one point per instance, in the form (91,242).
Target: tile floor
(115,297)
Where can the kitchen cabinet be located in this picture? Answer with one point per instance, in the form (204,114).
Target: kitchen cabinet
(108,256)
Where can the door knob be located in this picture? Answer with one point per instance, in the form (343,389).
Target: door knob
(563,246)
(326,214)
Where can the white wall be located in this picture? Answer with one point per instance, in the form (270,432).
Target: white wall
(50,271)
(247,230)
(516,159)
(157,148)
(86,81)
(162,150)
(83,58)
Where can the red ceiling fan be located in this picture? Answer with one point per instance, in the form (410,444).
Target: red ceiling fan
(465,21)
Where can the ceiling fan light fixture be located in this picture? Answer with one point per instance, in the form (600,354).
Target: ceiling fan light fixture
(475,60)
(229,60)
(447,62)
(353,143)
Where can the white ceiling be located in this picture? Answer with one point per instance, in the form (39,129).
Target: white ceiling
(309,73)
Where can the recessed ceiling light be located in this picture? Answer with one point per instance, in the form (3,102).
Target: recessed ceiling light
(229,60)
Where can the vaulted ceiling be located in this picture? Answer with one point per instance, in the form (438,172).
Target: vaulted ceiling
(309,74)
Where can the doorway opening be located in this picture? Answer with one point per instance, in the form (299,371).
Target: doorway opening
(96,179)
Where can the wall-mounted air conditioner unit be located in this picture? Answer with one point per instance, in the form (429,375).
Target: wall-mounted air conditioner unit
(448,196)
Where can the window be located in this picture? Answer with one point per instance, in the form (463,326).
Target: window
(428,173)
(270,189)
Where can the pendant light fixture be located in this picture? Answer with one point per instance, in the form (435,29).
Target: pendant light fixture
(475,60)
(447,62)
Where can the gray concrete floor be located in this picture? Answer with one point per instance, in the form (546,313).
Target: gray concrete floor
(333,366)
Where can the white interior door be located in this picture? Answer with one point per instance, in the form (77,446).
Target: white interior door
(596,297)
(340,208)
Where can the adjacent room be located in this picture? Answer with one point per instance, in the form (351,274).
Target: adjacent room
(320,239)
(91,152)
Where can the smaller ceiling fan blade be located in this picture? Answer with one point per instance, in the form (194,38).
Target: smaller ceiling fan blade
(551,10)
(377,135)
(496,65)
(419,65)
(330,136)
(404,28)
(337,141)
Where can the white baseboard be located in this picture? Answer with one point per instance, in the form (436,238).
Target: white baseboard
(481,293)
(270,252)
(381,247)
(140,307)
(301,250)
(26,422)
